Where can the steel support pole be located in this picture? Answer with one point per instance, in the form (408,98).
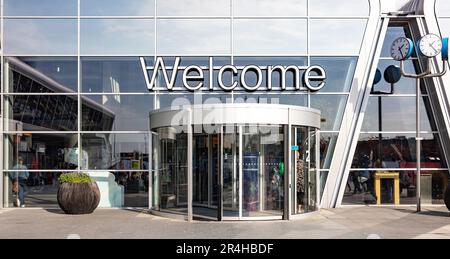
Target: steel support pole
(190,182)
(418,145)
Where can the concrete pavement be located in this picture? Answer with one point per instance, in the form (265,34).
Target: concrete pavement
(353,222)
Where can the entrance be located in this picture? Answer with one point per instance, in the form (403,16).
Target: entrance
(206,172)
(233,171)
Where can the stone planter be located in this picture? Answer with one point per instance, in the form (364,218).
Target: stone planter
(78,198)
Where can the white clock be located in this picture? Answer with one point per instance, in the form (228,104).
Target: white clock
(430,45)
(402,49)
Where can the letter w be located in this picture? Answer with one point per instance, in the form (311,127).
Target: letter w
(159,65)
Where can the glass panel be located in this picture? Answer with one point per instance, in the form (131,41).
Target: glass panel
(42,75)
(177,100)
(155,171)
(274,36)
(173,171)
(230,174)
(36,189)
(332,109)
(397,114)
(62,70)
(323,181)
(105,151)
(362,188)
(339,71)
(201,170)
(288,99)
(112,75)
(117,8)
(270,7)
(41,113)
(202,61)
(251,170)
(263,156)
(125,189)
(438,186)
(300,170)
(117,36)
(271,61)
(272,148)
(215,168)
(40,8)
(442,8)
(117,112)
(340,31)
(171,101)
(41,151)
(344,8)
(43,36)
(313,176)
(194,8)
(397,151)
(359,188)
(405,85)
(327,147)
(192,34)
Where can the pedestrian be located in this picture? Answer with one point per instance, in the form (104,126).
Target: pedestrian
(19,180)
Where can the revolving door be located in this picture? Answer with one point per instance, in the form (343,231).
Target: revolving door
(233,171)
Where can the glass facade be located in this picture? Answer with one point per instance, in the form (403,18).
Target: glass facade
(387,143)
(78,79)
(75,97)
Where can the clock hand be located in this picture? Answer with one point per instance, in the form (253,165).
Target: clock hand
(431,45)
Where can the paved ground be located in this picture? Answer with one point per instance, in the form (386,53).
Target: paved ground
(360,222)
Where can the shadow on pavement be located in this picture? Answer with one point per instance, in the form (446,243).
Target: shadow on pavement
(60,212)
(55,211)
(445,214)
(427,212)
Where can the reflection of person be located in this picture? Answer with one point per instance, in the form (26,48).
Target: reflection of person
(19,178)
(274,169)
(275,188)
(361,179)
(300,183)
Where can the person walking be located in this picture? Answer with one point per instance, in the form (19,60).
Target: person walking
(19,180)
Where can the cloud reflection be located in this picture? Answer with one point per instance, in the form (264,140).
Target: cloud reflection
(43,36)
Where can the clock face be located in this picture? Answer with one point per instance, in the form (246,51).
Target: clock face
(402,49)
(430,45)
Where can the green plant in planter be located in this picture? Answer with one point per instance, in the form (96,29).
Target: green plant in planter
(78,193)
(74,178)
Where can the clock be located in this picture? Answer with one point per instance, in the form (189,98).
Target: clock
(430,45)
(402,49)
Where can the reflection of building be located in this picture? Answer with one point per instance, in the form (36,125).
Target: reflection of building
(44,109)
(49,106)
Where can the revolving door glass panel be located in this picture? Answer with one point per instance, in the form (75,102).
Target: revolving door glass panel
(205,174)
(263,171)
(231,182)
(172,172)
(304,170)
